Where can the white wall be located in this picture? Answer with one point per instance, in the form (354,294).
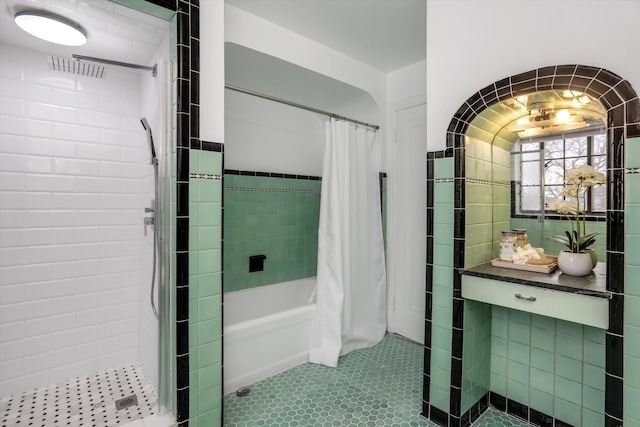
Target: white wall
(471,44)
(406,187)
(266,136)
(212,70)
(258,34)
(74,180)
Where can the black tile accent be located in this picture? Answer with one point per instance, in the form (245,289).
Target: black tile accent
(615,355)
(597,88)
(455,400)
(562,424)
(586,71)
(616,314)
(184,35)
(457,322)
(633,130)
(615,116)
(615,194)
(429,249)
(497,401)
(182,338)
(610,421)
(546,71)
(182,130)
(458,253)
(454,421)
(544,83)
(615,272)
(182,269)
(212,146)
(182,367)
(609,77)
(182,164)
(182,234)
(517,409)
(459,192)
(430,190)
(458,163)
(167,4)
(195,62)
(458,223)
(183,406)
(182,304)
(540,419)
(565,70)
(456,372)
(438,416)
(632,111)
(430,168)
(182,199)
(427,338)
(195,122)
(194,23)
(611,99)
(615,227)
(183,102)
(518,78)
(580,83)
(430,221)
(184,60)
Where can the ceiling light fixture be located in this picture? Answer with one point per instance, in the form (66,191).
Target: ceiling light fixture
(547,121)
(51,28)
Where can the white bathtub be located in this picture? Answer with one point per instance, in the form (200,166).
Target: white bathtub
(266,330)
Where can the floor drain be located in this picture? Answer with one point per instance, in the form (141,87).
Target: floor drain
(243,391)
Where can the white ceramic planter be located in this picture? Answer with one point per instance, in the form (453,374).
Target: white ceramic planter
(594,256)
(575,264)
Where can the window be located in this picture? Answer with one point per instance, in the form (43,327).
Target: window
(539,166)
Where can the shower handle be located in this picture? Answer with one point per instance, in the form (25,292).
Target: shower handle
(148,220)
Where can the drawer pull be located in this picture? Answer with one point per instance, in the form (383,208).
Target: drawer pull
(526,298)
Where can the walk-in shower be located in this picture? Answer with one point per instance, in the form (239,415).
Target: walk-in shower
(80,344)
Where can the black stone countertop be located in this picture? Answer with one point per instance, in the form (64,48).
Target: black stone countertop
(595,284)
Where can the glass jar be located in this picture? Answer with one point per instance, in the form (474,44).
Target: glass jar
(508,244)
(521,237)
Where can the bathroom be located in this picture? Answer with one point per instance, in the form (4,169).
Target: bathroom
(447,77)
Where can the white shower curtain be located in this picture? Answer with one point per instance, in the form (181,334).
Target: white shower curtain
(351,290)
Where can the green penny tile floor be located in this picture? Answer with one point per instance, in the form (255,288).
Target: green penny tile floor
(376,386)
(494,418)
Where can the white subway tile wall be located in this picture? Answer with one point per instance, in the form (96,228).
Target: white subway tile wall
(74,181)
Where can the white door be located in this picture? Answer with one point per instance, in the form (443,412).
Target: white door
(406,230)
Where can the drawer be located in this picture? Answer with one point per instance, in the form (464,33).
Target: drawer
(584,309)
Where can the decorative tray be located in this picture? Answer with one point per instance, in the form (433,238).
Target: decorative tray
(536,265)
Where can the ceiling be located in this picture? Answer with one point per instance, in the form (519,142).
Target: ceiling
(113,31)
(385,34)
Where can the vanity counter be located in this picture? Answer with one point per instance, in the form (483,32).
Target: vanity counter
(582,300)
(595,284)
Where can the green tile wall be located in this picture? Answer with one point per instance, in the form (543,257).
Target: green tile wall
(487,199)
(276,217)
(553,366)
(632,286)
(476,352)
(552,227)
(205,288)
(442,284)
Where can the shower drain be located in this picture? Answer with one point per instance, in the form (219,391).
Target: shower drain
(243,391)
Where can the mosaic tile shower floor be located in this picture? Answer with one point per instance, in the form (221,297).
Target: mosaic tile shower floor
(87,401)
(377,386)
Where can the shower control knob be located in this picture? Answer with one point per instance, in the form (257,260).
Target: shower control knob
(148,220)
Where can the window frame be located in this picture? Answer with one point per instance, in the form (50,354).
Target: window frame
(516,190)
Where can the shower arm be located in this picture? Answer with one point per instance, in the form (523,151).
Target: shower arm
(153,69)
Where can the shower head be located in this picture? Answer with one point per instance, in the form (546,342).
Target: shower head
(147,128)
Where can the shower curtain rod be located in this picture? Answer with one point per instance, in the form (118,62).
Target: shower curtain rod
(304,107)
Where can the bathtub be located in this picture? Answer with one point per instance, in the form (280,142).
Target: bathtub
(266,330)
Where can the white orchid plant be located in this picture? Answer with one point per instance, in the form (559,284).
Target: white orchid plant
(577,182)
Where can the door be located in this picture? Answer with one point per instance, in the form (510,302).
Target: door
(407,224)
